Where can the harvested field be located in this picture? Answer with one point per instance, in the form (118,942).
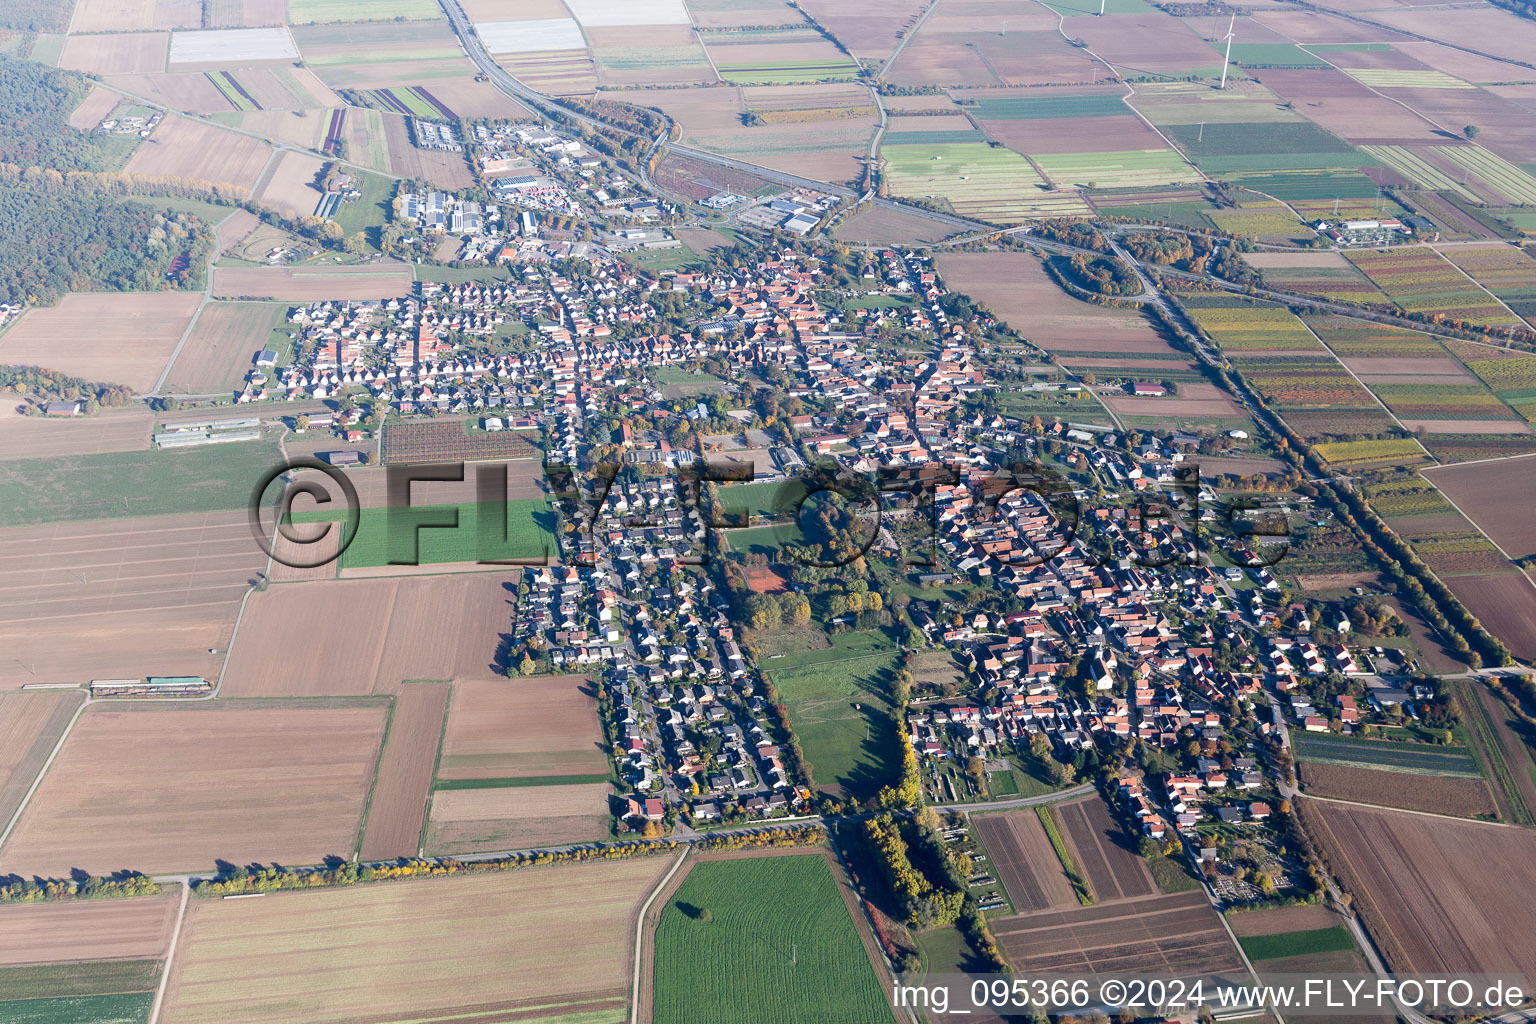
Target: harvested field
(222,346)
(398,806)
(1194,401)
(173,582)
(30,726)
(179,789)
(951,50)
(1142,42)
(134,15)
(1080,135)
(1285,919)
(976,180)
(1104,851)
(445,170)
(1218,465)
(1506,604)
(43,933)
(145,327)
(1347,107)
(107,646)
(1484,28)
(491,933)
(1014,285)
(522,728)
(127,53)
(465,821)
(1176,936)
(192,91)
(469,98)
(702,240)
(98,103)
(290,187)
(33,437)
(1497,496)
(1462,798)
(307,284)
(878,224)
(235,227)
(185,148)
(1024,861)
(869,31)
(373,633)
(1425,910)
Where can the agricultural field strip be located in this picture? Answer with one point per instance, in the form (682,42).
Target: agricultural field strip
(1414,759)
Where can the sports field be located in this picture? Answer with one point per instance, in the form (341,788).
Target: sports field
(777,944)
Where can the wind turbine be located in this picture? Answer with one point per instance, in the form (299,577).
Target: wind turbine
(1228,62)
(1101,8)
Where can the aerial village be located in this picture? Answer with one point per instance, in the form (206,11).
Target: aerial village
(1200,669)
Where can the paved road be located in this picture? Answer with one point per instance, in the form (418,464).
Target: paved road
(1085,789)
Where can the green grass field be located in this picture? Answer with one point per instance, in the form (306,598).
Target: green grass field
(788,72)
(1274,55)
(760,499)
(780,945)
(114,485)
(1273,947)
(370,213)
(85,978)
(121,1008)
(301,12)
(1031,108)
(1243,138)
(854,748)
(529,533)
